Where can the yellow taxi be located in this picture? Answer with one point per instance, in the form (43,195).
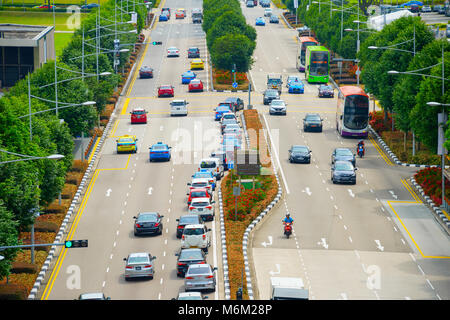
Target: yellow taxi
(127,143)
(197,64)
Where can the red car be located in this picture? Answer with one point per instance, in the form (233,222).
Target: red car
(166,91)
(138,115)
(197,193)
(195,85)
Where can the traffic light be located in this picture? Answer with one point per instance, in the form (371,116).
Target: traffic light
(156,43)
(76,244)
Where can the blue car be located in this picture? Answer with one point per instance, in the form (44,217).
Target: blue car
(296,87)
(220,110)
(159,151)
(187,77)
(260,21)
(205,174)
(163,17)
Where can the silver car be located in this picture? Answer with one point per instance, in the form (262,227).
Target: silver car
(200,277)
(173,52)
(203,207)
(233,128)
(277,107)
(139,265)
(191,296)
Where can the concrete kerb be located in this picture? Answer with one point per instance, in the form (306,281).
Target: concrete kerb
(224,246)
(438,214)
(75,202)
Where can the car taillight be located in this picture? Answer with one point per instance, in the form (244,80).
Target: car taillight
(198,169)
(181,264)
(129,267)
(209,207)
(138,225)
(180,227)
(217,169)
(182,237)
(204,237)
(148,266)
(209,277)
(157,224)
(203,262)
(191,208)
(211,181)
(189,278)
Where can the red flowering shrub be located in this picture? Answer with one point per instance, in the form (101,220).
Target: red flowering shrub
(377,121)
(227,77)
(430,179)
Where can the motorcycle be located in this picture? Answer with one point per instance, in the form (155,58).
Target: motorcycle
(287,229)
(360,150)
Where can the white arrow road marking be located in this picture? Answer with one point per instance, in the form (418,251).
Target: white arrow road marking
(393,195)
(308,192)
(108,192)
(161,128)
(379,246)
(323,243)
(351,193)
(278,268)
(150,190)
(265,244)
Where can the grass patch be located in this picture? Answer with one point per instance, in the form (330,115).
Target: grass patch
(61,41)
(279,4)
(38,18)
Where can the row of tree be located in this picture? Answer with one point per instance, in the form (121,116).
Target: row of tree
(413,47)
(27,185)
(230,40)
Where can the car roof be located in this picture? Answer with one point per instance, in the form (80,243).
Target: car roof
(178,100)
(127,137)
(339,149)
(138,254)
(343,161)
(200,180)
(209,159)
(199,265)
(92,295)
(138,109)
(198,189)
(200,199)
(227,113)
(195,80)
(189,294)
(197,60)
(194,226)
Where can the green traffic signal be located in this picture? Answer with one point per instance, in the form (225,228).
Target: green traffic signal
(68,244)
(76,244)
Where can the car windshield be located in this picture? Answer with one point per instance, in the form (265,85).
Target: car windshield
(277,103)
(201,270)
(178,103)
(344,166)
(147,218)
(223,108)
(193,49)
(199,184)
(300,149)
(314,117)
(200,204)
(193,231)
(343,152)
(166,87)
(233,126)
(207,164)
(126,140)
(326,88)
(195,81)
(229,116)
(139,112)
(203,175)
(191,255)
(159,147)
(198,194)
(172,48)
(272,93)
(188,220)
(136,260)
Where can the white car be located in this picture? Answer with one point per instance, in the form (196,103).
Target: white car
(202,207)
(228,115)
(178,107)
(200,183)
(191,296)
(213,165)
(426,9)
(173,52)
(139,265)
(233,128)
(267,12)
(195,236)
(200,277)
(277,107)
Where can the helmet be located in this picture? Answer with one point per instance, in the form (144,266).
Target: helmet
(287,214)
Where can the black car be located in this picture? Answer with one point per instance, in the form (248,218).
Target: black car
(187,257)
(343,172)
(148,223)
(185,220)
(90,6)
(145,72)
(343,154)
(269,95)
(326,91)
(299,154)
(193,52)
(441,10)
(312,122)
(236,103)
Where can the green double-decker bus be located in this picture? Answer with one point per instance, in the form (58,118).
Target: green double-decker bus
(317,64)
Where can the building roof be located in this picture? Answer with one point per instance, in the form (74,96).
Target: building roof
(21,35)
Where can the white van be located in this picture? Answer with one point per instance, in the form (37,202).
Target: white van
(178,108)
(213,165)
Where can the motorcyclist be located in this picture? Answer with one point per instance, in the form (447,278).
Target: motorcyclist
(361,143)
(288,219)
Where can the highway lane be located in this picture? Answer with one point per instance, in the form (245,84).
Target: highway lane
(344,235)
(127,184)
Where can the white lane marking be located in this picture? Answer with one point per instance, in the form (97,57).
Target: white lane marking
(438,296)
(340,217)
(407,298)
(335,206)
(393,194)
(129,130)
(165,241)
(345,227)
(117,232)
(379,246)
(265,244)
(412,257)
(108,192)
(423,273)
(111,256)
(350,238)
(388,218)
(104,283)
(308,192)
(150,190)
(107,269)
(430,284)
(162,267)
(351,193)
(161,281)
(161,128)
(403,241)
(167,230)
(371,190)
(357,254)
(115,243)
(159,296)
(395,229)
(382,209)
(331,197)
(323,181)
(274,149)
(323,243)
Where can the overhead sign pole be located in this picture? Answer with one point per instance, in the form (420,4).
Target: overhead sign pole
(296,7)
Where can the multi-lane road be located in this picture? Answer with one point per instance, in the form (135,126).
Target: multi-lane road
(373,240)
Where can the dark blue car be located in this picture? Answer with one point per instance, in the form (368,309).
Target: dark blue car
(160,151)
(220,110)
(163,17)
